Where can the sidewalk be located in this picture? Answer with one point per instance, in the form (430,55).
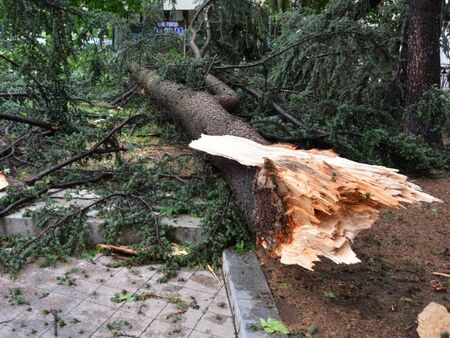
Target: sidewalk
(79,294)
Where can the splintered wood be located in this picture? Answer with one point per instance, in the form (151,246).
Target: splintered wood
(319,201)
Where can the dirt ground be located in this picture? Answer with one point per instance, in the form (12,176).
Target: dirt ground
(382,296)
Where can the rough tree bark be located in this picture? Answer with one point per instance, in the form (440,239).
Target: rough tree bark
(423,70)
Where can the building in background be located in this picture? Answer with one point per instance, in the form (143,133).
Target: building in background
(177,16)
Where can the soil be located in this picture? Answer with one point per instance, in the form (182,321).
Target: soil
(382,295)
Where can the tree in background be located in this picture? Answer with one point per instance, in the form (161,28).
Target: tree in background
(423,70)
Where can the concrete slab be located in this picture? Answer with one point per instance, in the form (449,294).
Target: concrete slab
(182,228)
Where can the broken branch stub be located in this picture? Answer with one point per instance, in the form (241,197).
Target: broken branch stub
(313,203)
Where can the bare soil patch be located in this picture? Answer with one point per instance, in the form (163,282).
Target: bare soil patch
(382,296)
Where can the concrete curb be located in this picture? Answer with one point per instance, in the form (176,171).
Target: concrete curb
(249,294)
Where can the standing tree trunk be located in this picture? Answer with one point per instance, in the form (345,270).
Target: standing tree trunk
(423,66)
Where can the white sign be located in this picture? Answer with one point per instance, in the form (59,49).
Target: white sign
(181,5)
(168,24)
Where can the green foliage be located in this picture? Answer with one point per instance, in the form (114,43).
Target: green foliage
(116,327)
(271,326)
(123,296)
(16,297)
(239,30)
(340,74)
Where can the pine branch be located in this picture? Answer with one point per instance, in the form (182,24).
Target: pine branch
(78,157)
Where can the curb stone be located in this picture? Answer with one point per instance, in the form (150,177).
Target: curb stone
(249,294)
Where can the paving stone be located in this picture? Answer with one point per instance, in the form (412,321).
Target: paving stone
(33,321)
(125,280)
(41,279)
(136,324)
(162,330)
(9,332)
(212,323)
(83,320)
(62,303)
(197,334)
(204,281)
(175,316)
(163,289)
(220,304)
(81,290)
(10,312)
(106,261)
(90,272)
(142,272)
(202,299)
(148,308)
(103,296)
(5,282)
(180,279)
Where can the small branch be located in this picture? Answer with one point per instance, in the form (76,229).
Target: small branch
(280,111)
(14,144)
(78,157)
(294,45)
(128,94)
(29,121)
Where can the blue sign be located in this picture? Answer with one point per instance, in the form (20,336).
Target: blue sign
(169,30)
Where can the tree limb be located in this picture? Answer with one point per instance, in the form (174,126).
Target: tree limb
(29,121)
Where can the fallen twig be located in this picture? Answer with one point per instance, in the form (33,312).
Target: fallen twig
(441,274)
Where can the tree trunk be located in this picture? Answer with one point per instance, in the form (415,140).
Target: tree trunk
(200,113)
(423,65)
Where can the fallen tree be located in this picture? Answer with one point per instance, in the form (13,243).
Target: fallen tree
(299,204)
